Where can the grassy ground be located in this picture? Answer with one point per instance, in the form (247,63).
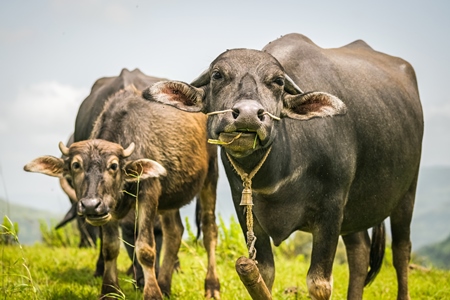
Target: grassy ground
(42,272)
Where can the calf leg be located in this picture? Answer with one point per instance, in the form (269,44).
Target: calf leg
(209,226)
(172,232)
(158,240)
(110,247)
(100,265)
(145,244)
(401,243)
(358,252)
(129,233)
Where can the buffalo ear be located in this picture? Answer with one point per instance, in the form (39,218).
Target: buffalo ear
(142,169)
(48,165)
(312,105)
(176,93)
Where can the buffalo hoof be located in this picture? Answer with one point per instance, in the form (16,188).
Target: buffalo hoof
(212,289)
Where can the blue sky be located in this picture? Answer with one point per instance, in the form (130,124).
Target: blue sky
(52,51)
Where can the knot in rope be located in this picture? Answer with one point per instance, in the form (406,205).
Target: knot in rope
(251,240)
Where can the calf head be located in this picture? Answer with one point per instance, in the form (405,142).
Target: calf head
(98,170)
(245,93)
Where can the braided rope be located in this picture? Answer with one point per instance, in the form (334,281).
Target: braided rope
(247,183)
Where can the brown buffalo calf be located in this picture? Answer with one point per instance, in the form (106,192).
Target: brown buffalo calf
(112,172)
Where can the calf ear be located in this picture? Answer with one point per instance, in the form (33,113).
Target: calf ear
(48,165)
(311,105)
(143,168)
(176,93)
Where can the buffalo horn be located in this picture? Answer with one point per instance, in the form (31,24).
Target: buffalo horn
(291,87)
(127,152)
(63,148)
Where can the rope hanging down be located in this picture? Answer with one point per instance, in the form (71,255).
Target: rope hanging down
(247,200)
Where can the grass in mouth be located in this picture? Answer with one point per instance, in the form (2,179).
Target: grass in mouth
(219,142)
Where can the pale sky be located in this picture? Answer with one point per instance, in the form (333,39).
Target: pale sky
(51,52)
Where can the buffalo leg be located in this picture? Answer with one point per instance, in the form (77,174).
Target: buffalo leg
(325,239)
(172,232)
(264,255)
(159,241)
(263,246)
(358,251)
(110,247)
(129,233)
(319,279)
(401,242)
(208,224)
(145,244)
(100,265)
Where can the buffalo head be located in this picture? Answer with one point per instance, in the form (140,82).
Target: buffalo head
(245,93)
(98,170)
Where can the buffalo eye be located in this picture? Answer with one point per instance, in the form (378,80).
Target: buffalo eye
(216,75)
(76,166)
(279,81)
(114,167)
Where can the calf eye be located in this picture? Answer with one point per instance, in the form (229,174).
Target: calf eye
(114,166)
(279,81)
(76,166)
(216,75)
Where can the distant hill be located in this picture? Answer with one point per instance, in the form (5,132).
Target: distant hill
(27,219)
(437,254)
(431,220)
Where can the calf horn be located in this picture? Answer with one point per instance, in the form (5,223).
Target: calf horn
(63,148)
(127,152)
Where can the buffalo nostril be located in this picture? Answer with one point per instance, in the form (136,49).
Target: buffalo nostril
(261,114)
(235,113)
(248,111)
(80,208)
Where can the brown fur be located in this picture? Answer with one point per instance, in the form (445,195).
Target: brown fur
(182,165)
(177,141)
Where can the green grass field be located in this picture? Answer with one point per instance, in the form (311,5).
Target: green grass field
(43,272)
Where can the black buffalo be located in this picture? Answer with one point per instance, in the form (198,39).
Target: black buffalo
(344,156)
(112,169)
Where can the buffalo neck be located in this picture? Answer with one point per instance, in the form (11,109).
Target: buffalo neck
(280,166)
(246,176)
(260,165)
